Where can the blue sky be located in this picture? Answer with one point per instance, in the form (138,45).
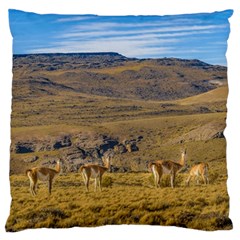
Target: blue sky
(191,36)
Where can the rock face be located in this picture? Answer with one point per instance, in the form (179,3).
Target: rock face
(36,145)
(75,150)
(24,147)
(75,153)
(206,132)
(62,142)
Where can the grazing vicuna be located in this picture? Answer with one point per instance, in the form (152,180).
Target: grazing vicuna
(200,169)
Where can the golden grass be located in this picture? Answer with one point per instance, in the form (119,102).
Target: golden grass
(130,198)
(216,95)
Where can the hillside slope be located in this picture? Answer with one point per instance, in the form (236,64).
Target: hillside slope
(113,75)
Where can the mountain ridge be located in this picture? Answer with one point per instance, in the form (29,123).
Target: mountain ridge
(116,54)
(113,75)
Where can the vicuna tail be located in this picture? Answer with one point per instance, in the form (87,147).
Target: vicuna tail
(28,171)
(81,168)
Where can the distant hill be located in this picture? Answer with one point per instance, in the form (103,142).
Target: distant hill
(113,75)
(81,105)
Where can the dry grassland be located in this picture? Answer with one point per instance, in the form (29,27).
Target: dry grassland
(127,198)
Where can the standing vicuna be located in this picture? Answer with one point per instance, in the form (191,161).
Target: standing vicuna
(42,174)
(156,169)
(200,169)
(96,172)
(161,167)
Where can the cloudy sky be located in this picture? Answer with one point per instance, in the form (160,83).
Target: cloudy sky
(194,36)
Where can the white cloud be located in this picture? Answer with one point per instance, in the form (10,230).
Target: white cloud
(139,39)
(74,19)
(127,48)
(104,30)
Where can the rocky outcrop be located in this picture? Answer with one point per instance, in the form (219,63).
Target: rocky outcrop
(39,145)
(31,159)
(64,141)
(75,153)
(24,147)
(202,133)
(75,150)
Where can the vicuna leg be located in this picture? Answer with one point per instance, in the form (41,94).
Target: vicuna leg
(100,183)
(205,179)
(86,180)
(206,176)
(197,179)
(32,188)
(158,181)
(87,184)
(50,186)
(156,178)
(33,184)
(172,179)
(157,174)
(188,180)
(96,180)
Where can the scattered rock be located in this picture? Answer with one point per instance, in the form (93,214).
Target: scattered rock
(31,159)
(62,142)
(24,147)
(218,135)
(46,146)
(139,138)
(120,148)
(132,147)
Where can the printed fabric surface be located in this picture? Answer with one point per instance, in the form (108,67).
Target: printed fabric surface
(119,120)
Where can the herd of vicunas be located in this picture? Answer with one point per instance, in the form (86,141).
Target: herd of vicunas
(96,171)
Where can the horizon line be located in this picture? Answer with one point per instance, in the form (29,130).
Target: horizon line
(115,53)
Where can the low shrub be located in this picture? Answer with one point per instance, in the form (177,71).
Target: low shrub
(154,218)
(107,181)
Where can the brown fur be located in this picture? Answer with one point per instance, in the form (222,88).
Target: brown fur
(42,174)
(200,169)
(171,167)
(157,171)
(94,171)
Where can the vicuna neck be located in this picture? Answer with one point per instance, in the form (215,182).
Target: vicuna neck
(182,160)
(107,163)
(58,168)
